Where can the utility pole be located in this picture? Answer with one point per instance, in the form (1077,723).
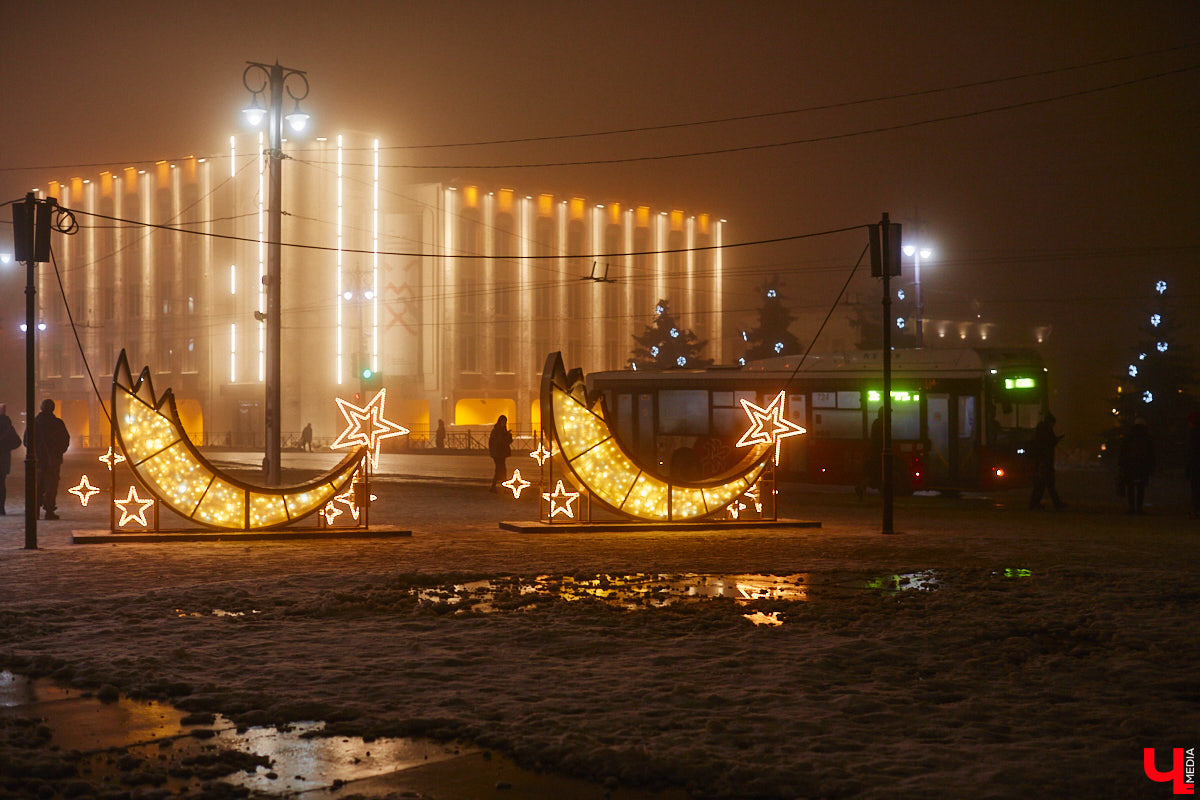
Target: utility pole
(885,262)
(274,78)
(31,244)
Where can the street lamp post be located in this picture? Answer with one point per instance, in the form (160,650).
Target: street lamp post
(917,253)
(274,80)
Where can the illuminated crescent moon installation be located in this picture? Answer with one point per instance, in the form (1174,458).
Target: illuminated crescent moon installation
(148,433)
(591,458)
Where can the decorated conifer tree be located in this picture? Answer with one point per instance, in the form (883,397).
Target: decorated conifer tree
(771,336)
(1154,384)
(665,345)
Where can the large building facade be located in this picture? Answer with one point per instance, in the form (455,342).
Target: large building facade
(450,295)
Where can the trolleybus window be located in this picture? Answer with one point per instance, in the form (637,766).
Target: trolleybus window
(683,412)
(906,412)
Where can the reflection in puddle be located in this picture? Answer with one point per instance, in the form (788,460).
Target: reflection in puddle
(303,761)
(923,581)
(636,591)
(216,612)
(1013,572)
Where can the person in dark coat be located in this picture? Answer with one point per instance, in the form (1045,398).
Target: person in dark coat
(52,440)
(1193,459)
(1041,451)
(873,465)
(499,447)
(1136,463)
(306,438)
(440,436)
(9,441)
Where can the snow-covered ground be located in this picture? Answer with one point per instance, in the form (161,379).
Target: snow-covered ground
(1049,650)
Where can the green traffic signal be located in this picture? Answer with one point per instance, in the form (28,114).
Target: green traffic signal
(367,373)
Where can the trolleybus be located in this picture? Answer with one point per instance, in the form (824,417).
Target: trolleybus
(961,419)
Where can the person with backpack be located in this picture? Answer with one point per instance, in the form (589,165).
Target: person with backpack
(1136,463)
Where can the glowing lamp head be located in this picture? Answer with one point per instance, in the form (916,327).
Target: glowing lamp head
(367,373)
(254,112)
(297,119)
(5,258)
(926,252)
(908,250)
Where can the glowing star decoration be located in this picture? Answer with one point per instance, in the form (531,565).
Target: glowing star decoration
(331,512)
(541,454)
(346,498)
(111,458)
(560,501)
(128,503)
(517,484)
(84,490)
(768,425)
(366,426)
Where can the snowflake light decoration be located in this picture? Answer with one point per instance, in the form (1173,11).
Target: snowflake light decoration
(681,361)
(1162,347)
(1156,320)
(1160,287)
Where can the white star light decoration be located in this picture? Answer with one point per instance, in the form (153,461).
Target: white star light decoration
(560,501)
(366,426)
(517,484)
(111,458)
(84,491)
(768,425)
(541,454)
(131,500)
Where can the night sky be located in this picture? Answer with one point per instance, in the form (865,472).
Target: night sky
(1060,213)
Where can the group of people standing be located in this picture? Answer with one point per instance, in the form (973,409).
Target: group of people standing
(51,441)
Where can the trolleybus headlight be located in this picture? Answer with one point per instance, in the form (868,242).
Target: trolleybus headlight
(998,471)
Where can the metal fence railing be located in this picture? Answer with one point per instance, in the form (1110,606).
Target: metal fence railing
(421,440)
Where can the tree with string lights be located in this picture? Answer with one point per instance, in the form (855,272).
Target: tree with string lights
(1154,384)
(665,345)
(771,336)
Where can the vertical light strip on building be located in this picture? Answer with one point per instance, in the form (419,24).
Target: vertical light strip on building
(375,267)
(525,311)
(693,302)
(630,276)
(718,282)
(232,279)
(660,258)
(233,352)
(338,376)
(262,269)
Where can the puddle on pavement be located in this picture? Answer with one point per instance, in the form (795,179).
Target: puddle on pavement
(632,592)
(923,581)
(134,745)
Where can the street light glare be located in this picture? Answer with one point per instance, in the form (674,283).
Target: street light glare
(297,119)
(908,249)
(926,252)
(254,112)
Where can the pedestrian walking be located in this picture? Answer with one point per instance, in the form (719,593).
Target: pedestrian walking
(1136,463)
(1193,459)
(440,436)
(9,441)
(1041,451)
(499,446)
(52,440)
(306,438)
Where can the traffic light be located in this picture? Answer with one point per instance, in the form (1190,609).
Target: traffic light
(369,380)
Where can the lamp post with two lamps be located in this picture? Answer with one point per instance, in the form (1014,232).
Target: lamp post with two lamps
(916,253)
(273,80)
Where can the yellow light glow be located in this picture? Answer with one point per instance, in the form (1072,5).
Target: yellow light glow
(596,461)
(129,502)
(84,490)
(366,426)
(165,461)
(561,501)
(517,484)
